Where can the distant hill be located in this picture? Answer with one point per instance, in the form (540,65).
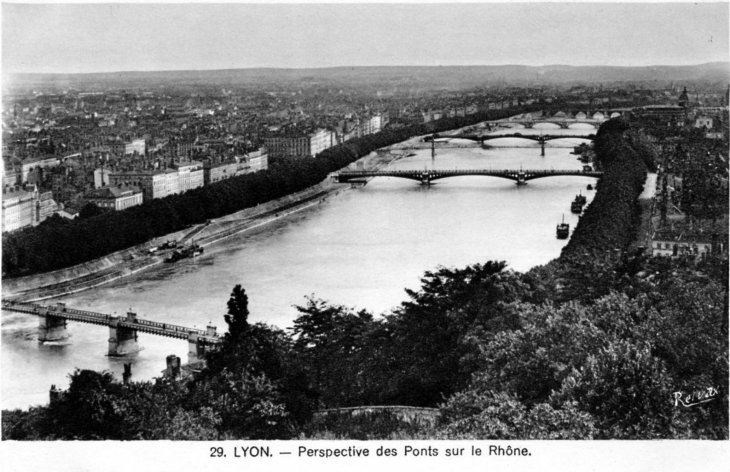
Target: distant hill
(424,76)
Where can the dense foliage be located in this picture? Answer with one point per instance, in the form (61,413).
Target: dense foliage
(595,344)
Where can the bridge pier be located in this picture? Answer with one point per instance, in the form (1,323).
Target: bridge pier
(122,340)
(198,347)
(425,179)
(51,328)
(173,368)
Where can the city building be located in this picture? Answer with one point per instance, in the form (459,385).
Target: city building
(160,183)
(101,177)
(300,146)
(154,183)
(703,122)
(685,243)
(217,171)
(674,115)
(45,206)
(319,141)
(190,175)
(18,207)
(257,160)
(37,163)
(114,198)
(137,145)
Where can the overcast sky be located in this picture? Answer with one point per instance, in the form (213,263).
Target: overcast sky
(126,37)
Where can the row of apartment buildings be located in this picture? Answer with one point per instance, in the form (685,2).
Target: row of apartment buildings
(187,175)
(311,144)
(24,205)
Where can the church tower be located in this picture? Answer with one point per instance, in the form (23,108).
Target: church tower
(684,99)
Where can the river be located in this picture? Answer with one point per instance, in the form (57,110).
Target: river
(360,248)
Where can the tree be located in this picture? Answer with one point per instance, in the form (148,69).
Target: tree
(626,390)
(488,415)
(90,210)
(237,317)
(330,342)
(251,380)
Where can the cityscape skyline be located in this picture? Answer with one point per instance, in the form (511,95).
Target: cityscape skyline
(98,38)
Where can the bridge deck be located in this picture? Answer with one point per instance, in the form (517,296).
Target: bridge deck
(533,137)
(524,174)
(138,324)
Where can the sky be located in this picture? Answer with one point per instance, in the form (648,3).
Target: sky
(69,38)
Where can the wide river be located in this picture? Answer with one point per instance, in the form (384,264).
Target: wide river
(360,249)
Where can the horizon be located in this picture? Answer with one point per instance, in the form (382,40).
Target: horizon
(168,37)
(371,67)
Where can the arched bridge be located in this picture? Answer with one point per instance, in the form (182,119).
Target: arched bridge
(563,123)
(428,176)
(539,138)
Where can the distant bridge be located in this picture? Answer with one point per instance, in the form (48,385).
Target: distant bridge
(562,122)
(539,138)
(122,330)
(428,176)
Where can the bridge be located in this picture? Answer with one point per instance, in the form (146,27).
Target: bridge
(428,176)
(541,138)
(562,122)
(122,330)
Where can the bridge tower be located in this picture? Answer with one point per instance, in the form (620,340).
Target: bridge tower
(51,328)
(433,149)
(542,146)
(425,178)
(198,347)
(122,340)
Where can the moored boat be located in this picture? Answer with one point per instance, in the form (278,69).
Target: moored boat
(189,251)
(563,230)
(174,256)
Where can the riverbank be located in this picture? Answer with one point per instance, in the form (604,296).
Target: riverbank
(139,258)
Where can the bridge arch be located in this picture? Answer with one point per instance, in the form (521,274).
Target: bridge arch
(545,124)
(583,125)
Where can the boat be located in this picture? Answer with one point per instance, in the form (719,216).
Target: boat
(577,205)
(589,187)
(190,251)
(563,230)
(174,256)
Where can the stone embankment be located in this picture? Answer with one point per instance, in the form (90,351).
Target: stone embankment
(138,258)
